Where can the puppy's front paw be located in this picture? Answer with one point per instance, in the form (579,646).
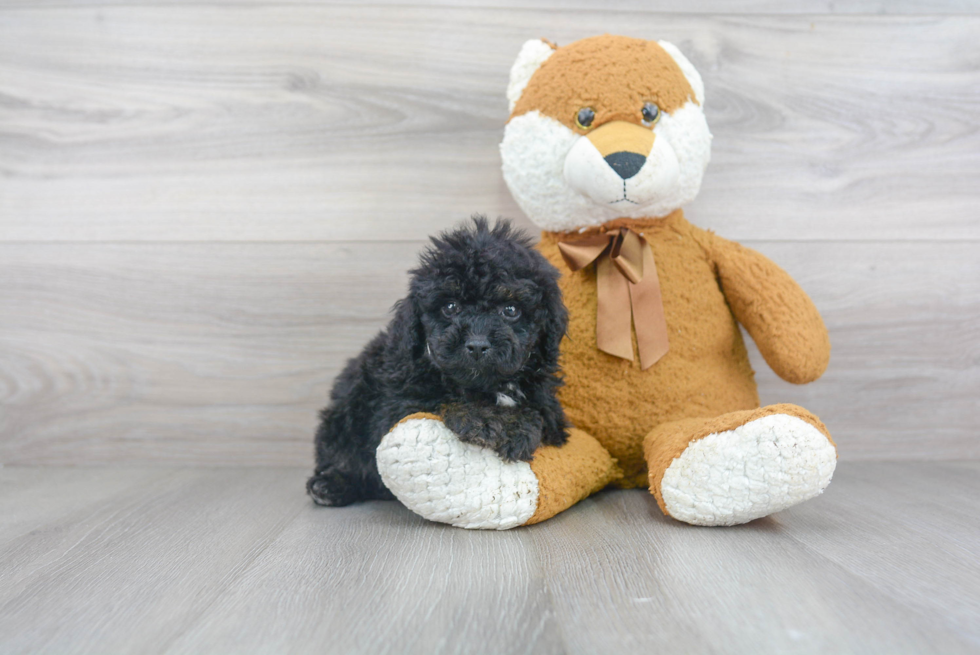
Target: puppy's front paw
(554,436)
(523,436)
(514,434)
(518,449)
(473,426)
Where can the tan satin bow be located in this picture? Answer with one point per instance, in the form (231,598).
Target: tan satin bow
(626,283)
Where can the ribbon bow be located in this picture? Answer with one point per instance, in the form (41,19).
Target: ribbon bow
(627,284)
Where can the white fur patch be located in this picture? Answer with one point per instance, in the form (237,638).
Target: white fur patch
(533,53)
(505,401)
(534,152)
(588,173)
(756,469)
(442,479)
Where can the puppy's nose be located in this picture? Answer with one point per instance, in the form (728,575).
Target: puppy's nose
(626,164)
(477,347)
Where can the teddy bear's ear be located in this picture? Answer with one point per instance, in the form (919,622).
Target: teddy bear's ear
(532,55)
(692,75)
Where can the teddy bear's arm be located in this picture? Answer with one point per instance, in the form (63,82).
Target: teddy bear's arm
(778,314)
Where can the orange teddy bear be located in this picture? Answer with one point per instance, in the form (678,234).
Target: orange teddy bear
(606,141)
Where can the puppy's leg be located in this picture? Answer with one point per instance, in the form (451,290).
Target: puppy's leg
(514,433)
(332,487)
(346,471)
(554,426)
(522,435)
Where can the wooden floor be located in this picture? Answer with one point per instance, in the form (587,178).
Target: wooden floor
(222,560)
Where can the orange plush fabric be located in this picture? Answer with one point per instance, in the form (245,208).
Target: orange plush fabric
(706,372)
(780,317)
(596,68)
(568,474)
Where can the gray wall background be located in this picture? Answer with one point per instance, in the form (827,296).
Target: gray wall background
(206,208)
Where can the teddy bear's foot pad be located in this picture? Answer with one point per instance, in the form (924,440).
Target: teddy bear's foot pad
(442,479)
(754,470)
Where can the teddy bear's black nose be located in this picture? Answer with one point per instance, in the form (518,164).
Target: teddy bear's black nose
(626,164)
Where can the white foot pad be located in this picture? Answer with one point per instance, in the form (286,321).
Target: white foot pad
(442,479)
(756,469)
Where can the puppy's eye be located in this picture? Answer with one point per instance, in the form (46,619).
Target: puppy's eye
(510,311)
(584,117)
(650,113)
(450,309)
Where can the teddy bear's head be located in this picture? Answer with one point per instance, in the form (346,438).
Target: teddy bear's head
(607,127)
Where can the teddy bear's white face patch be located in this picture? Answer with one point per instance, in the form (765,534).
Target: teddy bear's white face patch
(636,181)
(562,182)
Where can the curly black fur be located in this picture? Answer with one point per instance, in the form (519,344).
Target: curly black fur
(476,341)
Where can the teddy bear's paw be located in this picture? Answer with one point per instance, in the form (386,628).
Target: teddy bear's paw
(442,479)
(754,470)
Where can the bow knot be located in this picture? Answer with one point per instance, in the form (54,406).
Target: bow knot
(628,292)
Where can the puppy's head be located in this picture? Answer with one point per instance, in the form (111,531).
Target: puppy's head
(485,306)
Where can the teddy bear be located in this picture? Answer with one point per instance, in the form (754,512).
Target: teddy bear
(606,141)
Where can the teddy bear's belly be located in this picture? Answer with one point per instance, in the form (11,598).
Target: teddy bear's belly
(706,372)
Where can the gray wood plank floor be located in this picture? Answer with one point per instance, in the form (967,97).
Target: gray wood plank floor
(113,560)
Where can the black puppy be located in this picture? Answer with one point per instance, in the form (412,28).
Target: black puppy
(475,341)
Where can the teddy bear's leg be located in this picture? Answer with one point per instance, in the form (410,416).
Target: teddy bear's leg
(442,479)
(739,466)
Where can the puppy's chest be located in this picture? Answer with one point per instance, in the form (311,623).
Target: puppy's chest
(510,395)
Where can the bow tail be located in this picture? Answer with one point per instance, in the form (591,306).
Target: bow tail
(648,314)
(612,323)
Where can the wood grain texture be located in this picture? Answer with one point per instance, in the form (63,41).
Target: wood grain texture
(931,565)
(32,498)
(217,354)
(904,374)
(205,209)
(240,561)
(747,589)
(220,354)
(378,579)
(743,7)
(324,122)
(133,571)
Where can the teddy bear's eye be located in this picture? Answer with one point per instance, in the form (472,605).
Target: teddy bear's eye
(651,113)
(584,117)
(450,309)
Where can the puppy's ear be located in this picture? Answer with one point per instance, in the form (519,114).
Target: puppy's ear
(554,328)
(406,336)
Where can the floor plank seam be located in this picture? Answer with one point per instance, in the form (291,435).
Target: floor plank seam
(164,473)
(232,580)
(852,573)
